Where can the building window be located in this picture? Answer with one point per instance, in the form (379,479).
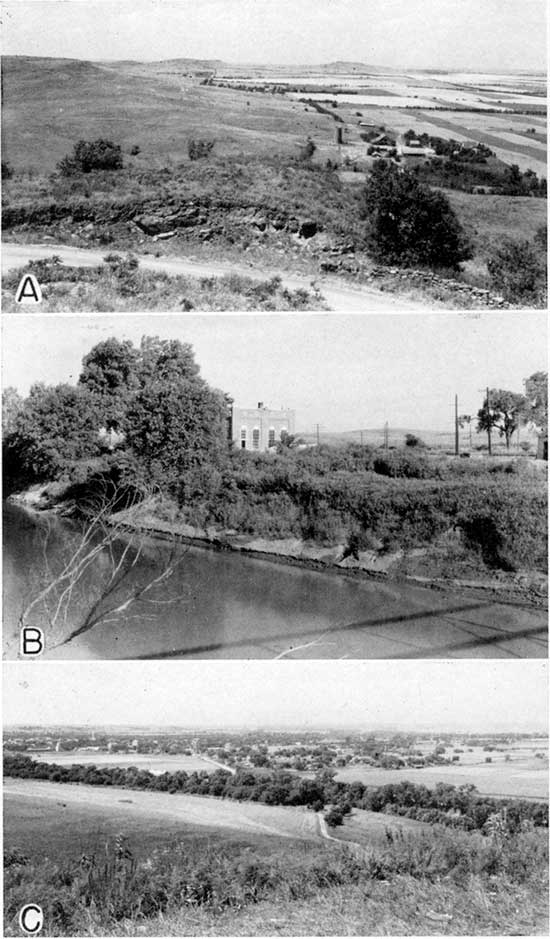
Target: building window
(243,438)
(256,438)
(271,437)
(284,432)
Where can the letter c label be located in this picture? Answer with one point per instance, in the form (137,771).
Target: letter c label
(31,919)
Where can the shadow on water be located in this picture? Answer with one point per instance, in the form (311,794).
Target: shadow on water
(228,605)
(368,624)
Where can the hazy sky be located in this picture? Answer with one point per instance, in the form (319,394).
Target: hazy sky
(468,695)
(477,34)
(345,372)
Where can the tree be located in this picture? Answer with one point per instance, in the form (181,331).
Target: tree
(536,400)
(174,427)
(408,223)
(91,155)
(334,816)
(308,149)
(12,405)
(503,411)
(517,271)
(55,426)
(110,367)
(97,578)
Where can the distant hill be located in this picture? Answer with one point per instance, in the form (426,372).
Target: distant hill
(346,67)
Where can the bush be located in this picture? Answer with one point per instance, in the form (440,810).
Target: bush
(517,271)
(89,155)
(199,149)
(411,440)
(408,223)
(7,170)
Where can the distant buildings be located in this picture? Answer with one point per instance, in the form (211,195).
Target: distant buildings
(414,152)
(260,428)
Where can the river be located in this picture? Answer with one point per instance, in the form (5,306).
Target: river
(231,606)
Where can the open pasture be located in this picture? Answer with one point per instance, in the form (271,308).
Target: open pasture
(39,812)
(522,780)
(156,763)
(61,829)
(49,104)
(489,219)
(369,828)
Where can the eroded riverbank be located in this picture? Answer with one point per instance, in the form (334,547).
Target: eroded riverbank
(235,604)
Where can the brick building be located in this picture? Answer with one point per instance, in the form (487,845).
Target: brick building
(260,428)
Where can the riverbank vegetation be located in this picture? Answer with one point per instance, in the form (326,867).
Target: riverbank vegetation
(143,424)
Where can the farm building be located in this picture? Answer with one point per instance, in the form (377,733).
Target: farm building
(260,428)
(413,152)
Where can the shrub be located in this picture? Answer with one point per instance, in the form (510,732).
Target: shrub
(411,440)
(89,155)
(7,170)
(517,271)
(408,223)
(199,149)
(334,816)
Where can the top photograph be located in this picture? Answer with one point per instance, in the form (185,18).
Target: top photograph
(351,156)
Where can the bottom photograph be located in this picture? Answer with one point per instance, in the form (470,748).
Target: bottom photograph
(242,798)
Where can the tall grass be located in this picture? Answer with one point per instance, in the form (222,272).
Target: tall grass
(114,887)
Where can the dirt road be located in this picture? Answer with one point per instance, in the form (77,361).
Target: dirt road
(340,297)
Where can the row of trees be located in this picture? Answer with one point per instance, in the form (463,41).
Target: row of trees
(454,806)
(505,411)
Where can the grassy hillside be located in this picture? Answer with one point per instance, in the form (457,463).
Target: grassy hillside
(101,873)
(51,103)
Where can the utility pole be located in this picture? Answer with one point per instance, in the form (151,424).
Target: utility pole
(317,428)
(457,441)
(361,436)
(488,423)
(386,436)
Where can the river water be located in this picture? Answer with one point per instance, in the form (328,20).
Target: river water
(222,605)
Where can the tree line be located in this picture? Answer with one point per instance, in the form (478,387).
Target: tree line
(460,807)
(143,420)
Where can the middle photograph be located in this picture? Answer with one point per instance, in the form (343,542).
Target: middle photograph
(275,486)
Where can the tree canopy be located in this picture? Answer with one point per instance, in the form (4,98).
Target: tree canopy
(91,155)
(172,420)
(536,400)
(408,223)
(502,410)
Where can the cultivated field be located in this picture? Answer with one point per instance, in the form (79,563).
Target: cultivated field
(524,779)
(156,763)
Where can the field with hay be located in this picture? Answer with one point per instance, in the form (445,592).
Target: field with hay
(527,779)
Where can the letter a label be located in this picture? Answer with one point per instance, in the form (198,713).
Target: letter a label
(28,290)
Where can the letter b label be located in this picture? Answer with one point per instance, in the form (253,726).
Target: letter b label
(32,641)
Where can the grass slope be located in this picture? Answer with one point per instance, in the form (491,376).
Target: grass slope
(51,103)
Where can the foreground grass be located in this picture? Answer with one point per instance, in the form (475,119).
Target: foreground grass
(119,286)
(416,886)
(404,907)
